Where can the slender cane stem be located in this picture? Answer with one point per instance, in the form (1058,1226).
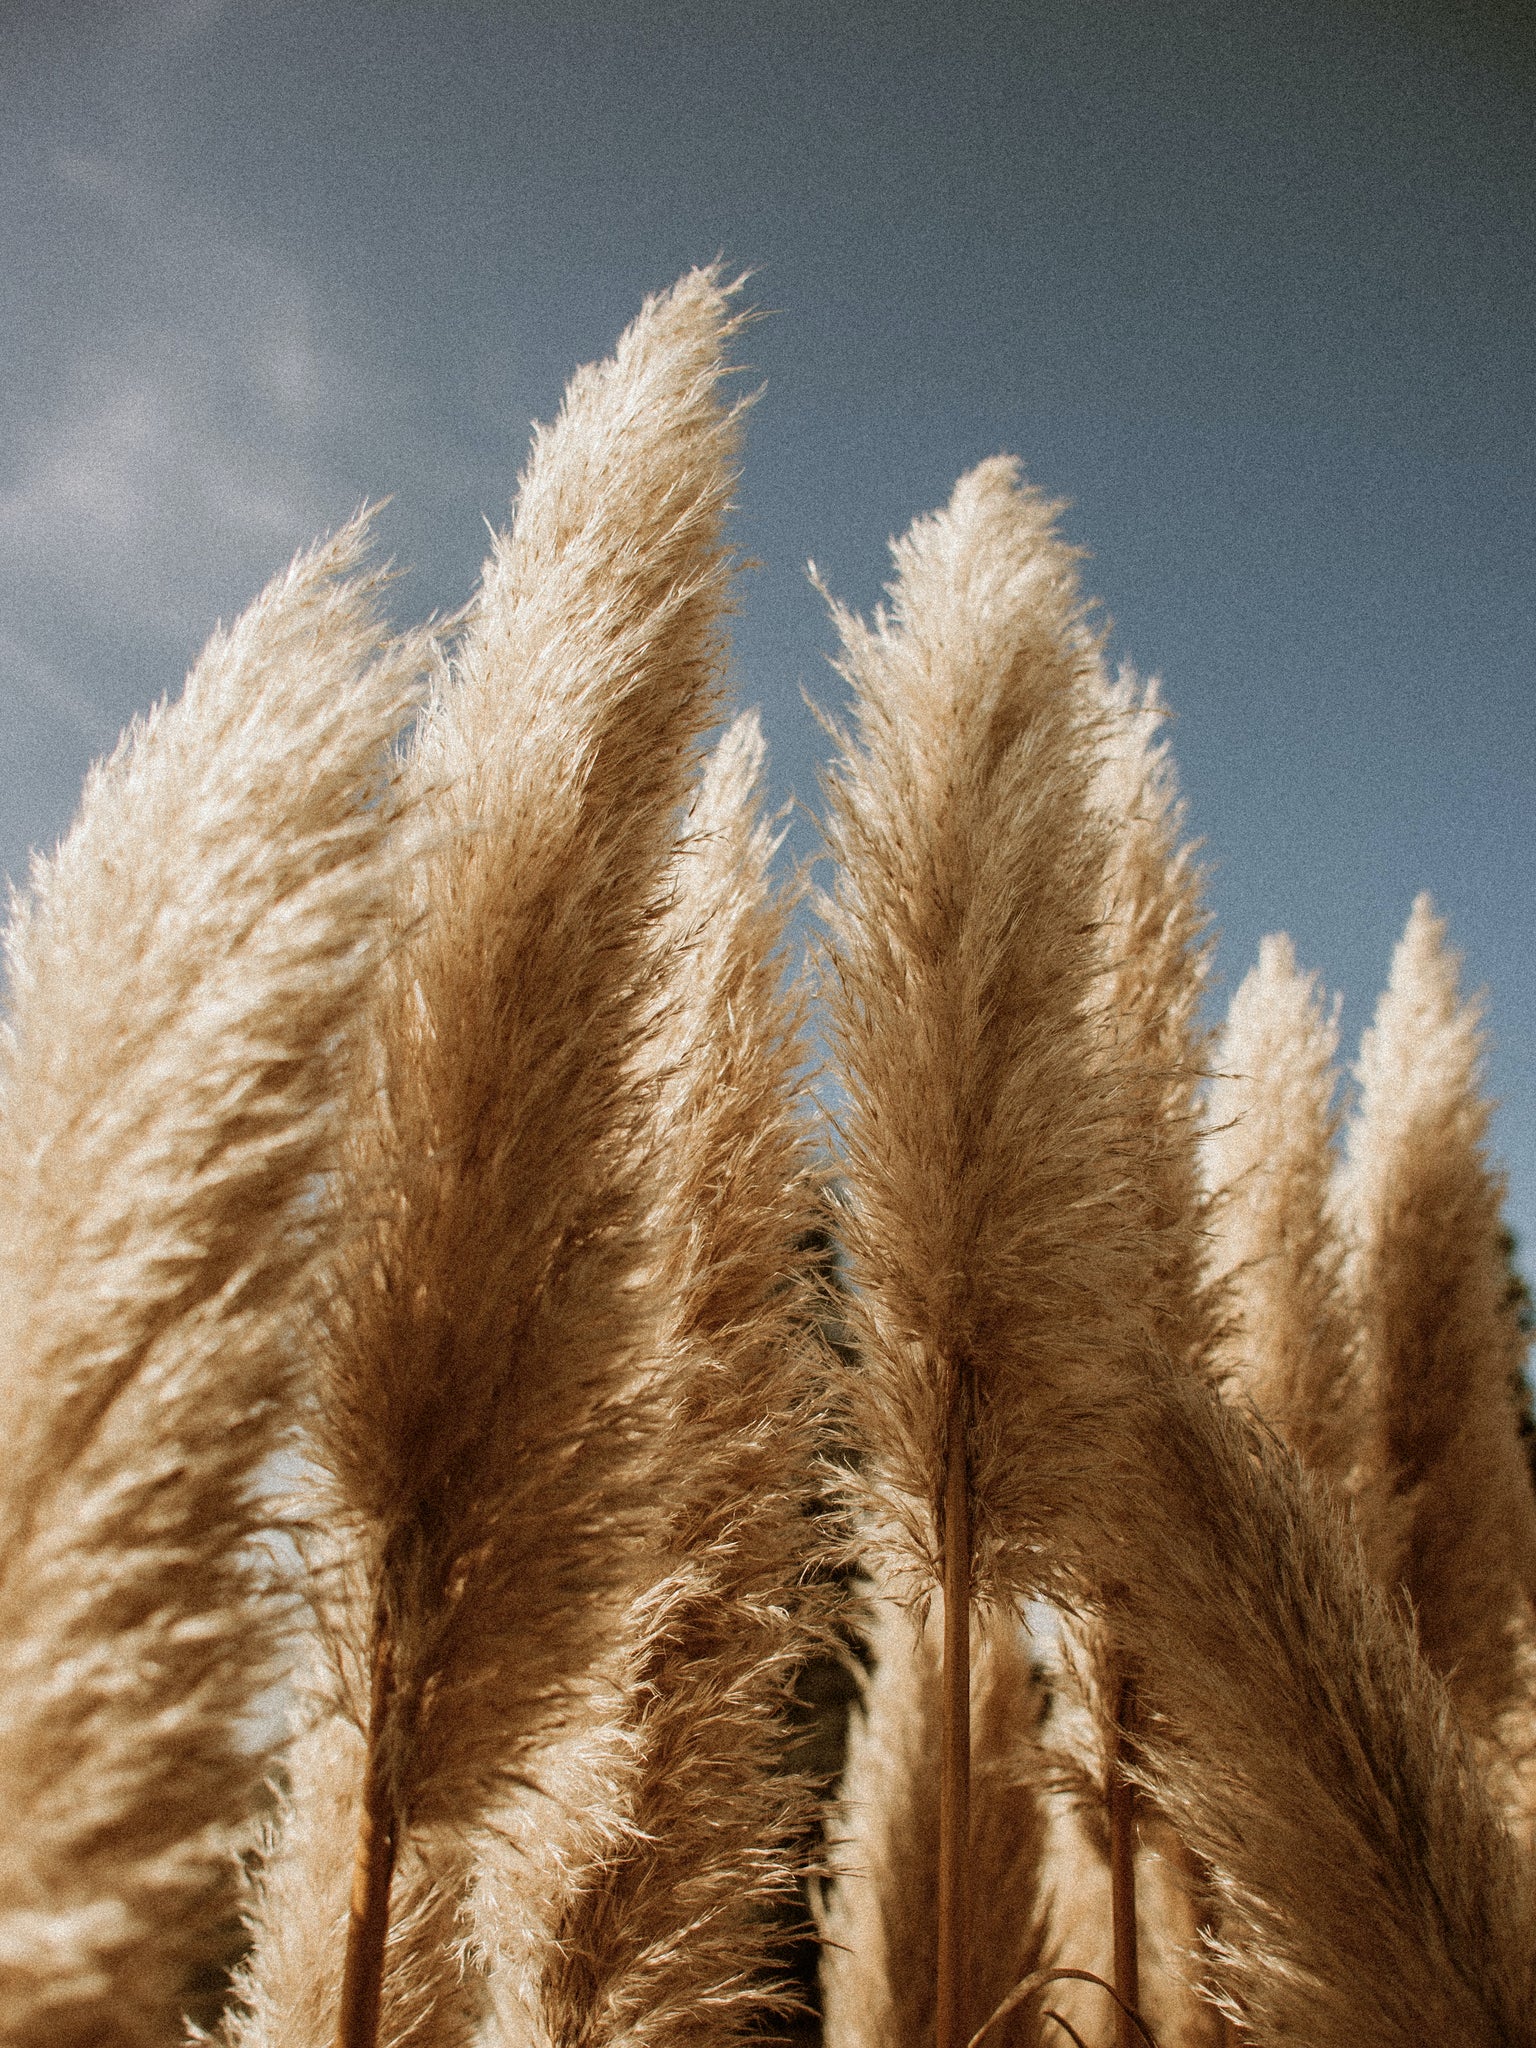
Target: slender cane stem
(368,1925)
(955,1763)
(1122,1862)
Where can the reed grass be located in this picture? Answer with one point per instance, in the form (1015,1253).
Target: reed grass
(1277,1249)
(443,1118)
(1153,1049)
(494,1314)
(1448,1494)
(183,974)
(1368,1889)
(667,1934)
(986,1232)
(879,1960)
(989,1242)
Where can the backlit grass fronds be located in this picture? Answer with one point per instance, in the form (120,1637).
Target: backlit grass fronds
(1427,1272)
(1276,1250)
(992,1251)
(185,972)
(496,1316)
(289,1996)
(879,1963)
(1156,954)
(1171,1902)
(1152,1045)
(1367,1889)
(666,1935)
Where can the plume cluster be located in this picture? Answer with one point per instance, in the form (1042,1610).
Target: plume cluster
(425,1125)
(1367,1887)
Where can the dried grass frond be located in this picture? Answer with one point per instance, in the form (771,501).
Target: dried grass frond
(1277,1254)
(1366,1886)
(879,1959)
(1173,1903)
(1154,939)
(666,1935)
(994,1256)
(288,1993)
(492,1326)
(184,974)
(1441,1349)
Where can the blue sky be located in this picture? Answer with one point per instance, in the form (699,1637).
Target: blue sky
(1250,286)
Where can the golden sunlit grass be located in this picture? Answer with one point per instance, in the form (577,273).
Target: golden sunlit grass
(433,1111)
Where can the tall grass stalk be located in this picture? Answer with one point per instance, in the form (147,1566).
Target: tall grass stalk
(1153,940)
(496,1304)
(879,1977)
(666,1934)
(1448,1498)
(184,974)
(987,1242)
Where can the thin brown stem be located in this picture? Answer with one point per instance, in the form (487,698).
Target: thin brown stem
(955,1763)
(1037,1980)
(1065,2025)
(1122,1862)
(362,1979)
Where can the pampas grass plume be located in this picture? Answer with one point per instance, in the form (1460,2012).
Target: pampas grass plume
(184,974)
(1276,1250)
(1366,1886)
(495,1313)
(666,1936)
(1452,1490)
(989,1247)
(1147,1005)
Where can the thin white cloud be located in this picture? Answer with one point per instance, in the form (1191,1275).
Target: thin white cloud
(197,432)
(166,448)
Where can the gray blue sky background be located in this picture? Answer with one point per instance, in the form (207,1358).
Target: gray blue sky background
(1250,285)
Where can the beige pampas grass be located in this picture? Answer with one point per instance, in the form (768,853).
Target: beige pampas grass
(1367,1889)
(995,1255)
(286,1994)
(1147,1004)
(1152,1052)
(1427,1274)
(666,1935)
(879,1959)
(184,973)
(495,1315)
(1276,1250)
(986,1231)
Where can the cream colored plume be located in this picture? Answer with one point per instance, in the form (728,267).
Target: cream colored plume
(1451,1491)
(996,1261)
(665,1934)
(878,1926)
(495,1318)
(1367,1889)
(185,974)
(1290,1346)
(1147,1004)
